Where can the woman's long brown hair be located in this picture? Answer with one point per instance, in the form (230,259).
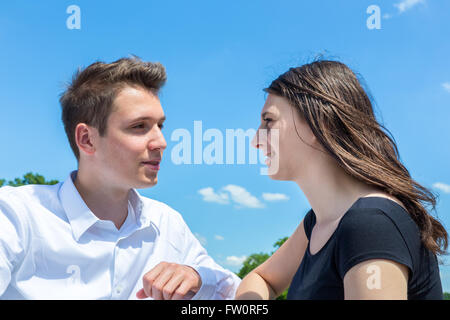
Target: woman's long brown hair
(330,98)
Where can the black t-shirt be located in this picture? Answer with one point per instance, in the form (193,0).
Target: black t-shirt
(373,228)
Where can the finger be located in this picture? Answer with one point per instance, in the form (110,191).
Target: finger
(141,294)
(160,282)
(150,277)
(172,285)
(183,292)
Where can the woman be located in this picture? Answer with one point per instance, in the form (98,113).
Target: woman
(368,234)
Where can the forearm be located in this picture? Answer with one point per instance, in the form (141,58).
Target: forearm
(254,287)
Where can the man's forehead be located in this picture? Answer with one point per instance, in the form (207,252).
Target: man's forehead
(137,103)
(129,93)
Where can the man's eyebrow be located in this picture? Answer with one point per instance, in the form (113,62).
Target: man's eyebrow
(148,118)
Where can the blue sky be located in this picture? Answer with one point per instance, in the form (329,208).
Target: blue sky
(219,56)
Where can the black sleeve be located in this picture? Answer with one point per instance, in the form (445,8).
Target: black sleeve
(308,223)
(367,234)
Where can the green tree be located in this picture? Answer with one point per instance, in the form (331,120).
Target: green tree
(251,263)
(256,259)
(279,243)
(28,178)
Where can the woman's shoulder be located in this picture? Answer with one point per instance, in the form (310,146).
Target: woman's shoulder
(376,228)
(379,219)
(379,209)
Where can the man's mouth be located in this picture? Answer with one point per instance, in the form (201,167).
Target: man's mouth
(152,164)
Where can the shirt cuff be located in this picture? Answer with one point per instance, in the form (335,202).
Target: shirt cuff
(208,287)
(5,275)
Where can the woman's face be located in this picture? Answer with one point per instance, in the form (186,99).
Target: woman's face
(278,136)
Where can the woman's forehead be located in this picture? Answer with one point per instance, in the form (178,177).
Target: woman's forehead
(275,105)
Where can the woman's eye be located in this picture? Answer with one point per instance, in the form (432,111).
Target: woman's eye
(267,120)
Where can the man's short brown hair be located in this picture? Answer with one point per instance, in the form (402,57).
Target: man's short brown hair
(89,98)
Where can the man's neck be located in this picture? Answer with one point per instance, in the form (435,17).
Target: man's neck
(106,202)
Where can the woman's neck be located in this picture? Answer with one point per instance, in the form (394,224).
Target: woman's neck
(331,191)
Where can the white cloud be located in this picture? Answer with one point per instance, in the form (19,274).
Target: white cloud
(201,239)
(407,4)
(242,197)
(446,86)
(235,261)
(239,196)
(275,197)
(210,196)
(442,186)
(236,194)
(219,237)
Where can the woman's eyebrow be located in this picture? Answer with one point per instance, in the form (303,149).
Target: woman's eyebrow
(265,114)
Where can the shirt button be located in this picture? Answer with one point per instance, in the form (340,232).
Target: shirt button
(119,289)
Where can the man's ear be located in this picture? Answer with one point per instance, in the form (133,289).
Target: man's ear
(86,137)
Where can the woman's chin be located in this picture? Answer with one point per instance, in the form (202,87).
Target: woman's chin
(279,175)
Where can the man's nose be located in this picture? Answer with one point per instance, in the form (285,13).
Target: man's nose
(158,141)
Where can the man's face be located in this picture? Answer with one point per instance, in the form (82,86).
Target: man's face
(130,151)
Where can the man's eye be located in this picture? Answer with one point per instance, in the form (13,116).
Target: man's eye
(139,126)
(161,126)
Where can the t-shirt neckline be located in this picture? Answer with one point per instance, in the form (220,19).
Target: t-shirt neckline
(308,249)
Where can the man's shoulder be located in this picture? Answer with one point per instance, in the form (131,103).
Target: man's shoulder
(20,205)
(167,220)
(28,194)
(161,208)
(150,202)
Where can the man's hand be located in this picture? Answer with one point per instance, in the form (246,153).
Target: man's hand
(170,281)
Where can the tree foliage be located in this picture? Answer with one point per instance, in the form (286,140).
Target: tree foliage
(251,263)
(256,259)
(28,178)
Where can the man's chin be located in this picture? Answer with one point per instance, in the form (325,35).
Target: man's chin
(147,183)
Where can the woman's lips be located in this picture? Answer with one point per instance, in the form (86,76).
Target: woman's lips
(267,161)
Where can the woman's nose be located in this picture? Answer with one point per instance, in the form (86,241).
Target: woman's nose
(254,141)
(257,141)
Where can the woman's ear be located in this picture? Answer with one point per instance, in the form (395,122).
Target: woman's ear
(302,127)
(85,138)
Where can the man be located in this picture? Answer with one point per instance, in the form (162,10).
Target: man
(93,236)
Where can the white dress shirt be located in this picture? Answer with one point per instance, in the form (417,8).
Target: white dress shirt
(53,247)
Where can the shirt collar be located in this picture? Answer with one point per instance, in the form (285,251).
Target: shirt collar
(81,218)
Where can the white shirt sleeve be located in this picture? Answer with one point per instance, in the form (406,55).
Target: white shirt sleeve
(12,239)
(217,282)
